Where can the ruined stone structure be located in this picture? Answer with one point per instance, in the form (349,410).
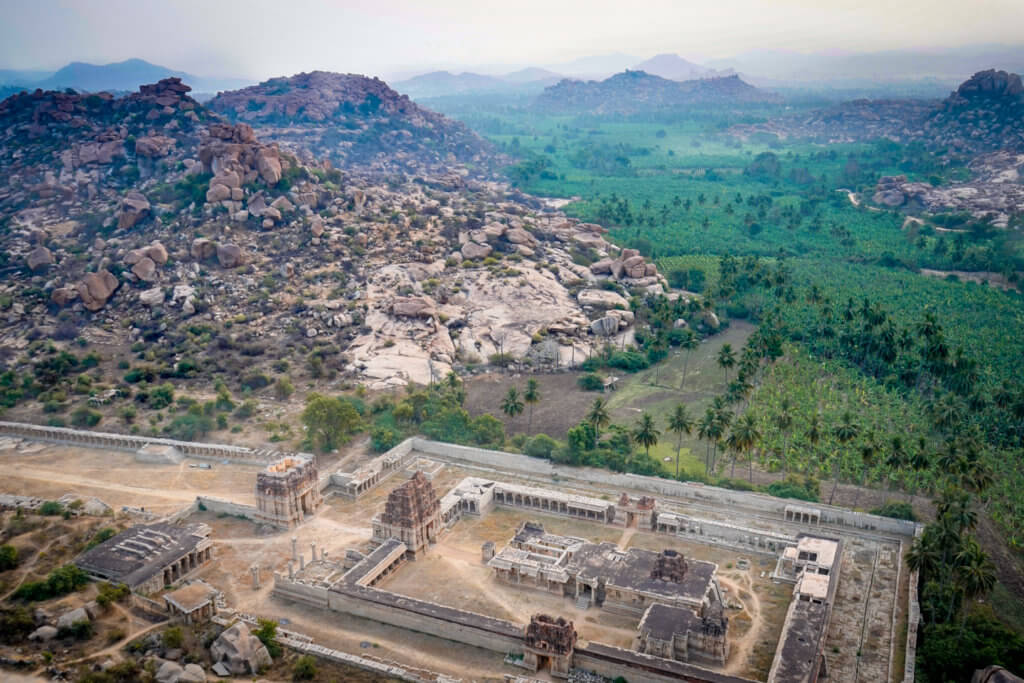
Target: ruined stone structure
(192,604)
(679,633)
(549,644)
(640,513)
(149,556)
(288,491)
(412,514)
(813,564)
(621,581)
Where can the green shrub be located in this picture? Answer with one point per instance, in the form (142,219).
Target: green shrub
(304,669)
(267,633)
(246,410)
(60,581)
(15,625)
(189,427)
(630,361)
(792,488)
(383,438)
(172,637)
(591,381)
(51,508)
(85,417)
(896,510)
(8,557)
(80,630)
(109,593)
(102,535)
(540,446)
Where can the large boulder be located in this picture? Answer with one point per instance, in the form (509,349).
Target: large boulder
(153,146)
(229,255)
(133,207)
(96,288)
(269,165)
(240,652)
(412,307)
(601,298)
(145,269)
(169,672)
(62,296)
(218,193)
(474,250)
(43,634)
(39,258)
(72,617)
(203,249)
(152,297)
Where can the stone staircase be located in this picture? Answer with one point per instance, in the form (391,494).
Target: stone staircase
(583,602)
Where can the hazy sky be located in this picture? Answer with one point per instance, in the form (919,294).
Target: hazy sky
(259,39)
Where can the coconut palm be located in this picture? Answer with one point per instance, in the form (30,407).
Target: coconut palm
(784,421)
(976,575)
(680,423)
(726,360)
(531,396)
(868,449)
(846,431)
(512,405)
(688,344)
(706,431)
(646,433)
(598,416)
(744,437)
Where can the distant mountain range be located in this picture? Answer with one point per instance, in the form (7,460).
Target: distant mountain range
(632,92)
(675,68)
(528,81)
(124,76)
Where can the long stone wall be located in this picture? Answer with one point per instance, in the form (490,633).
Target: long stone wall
(698,493)
(134,443)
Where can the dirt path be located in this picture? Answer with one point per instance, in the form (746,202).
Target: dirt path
(50,476)
(741,648)
(26,568)
(116,647)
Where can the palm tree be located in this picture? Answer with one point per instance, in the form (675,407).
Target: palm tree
(598,416)
(680,423)
(846,431)
(531,396)
(688,344)
(512,405)
(706,431)
(784,421)
(726,360)
(744,436)
(645,433)
(867,459)
(976,575)
(895,460)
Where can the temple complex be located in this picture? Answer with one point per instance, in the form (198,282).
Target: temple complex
(412,514)
(549,644)
(288,491)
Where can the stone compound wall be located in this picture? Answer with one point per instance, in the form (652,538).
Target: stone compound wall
(698,493)
(135,443)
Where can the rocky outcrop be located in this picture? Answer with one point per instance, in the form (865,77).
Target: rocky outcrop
(352,120)
(413,307)
(602,298)
(239,651)
(96,288)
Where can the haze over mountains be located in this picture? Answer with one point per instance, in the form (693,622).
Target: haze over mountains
(118,76)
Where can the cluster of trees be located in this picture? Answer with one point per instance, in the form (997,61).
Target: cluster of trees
(60,581)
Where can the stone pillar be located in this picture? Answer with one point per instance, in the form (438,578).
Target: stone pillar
(255,569)
(312,558)
(291,569)
(295,548)
(302,562)
(323,554)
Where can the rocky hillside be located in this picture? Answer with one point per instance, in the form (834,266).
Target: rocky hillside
(636,92)
(146,218)
(353,121)
(985,114)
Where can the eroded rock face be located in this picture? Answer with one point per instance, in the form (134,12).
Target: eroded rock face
(413,307)
(154,146)
(96,288)
(473,250)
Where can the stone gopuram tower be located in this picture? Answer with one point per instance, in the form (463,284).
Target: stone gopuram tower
(412,515)
(549,644)
(288,491)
